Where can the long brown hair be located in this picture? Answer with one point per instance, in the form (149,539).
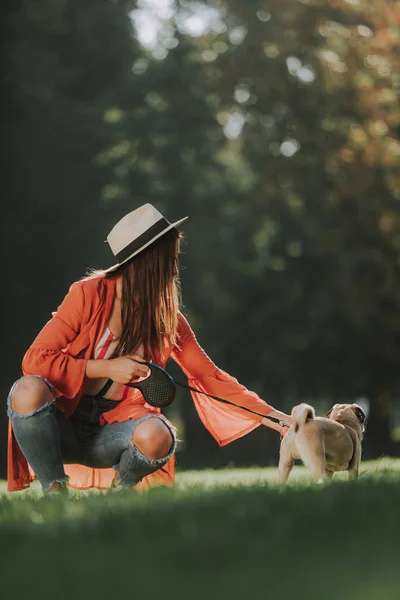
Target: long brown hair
(151,297)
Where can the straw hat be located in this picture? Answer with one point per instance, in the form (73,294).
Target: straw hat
(136,231)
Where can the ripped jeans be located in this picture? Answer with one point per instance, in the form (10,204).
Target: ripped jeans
(48,440)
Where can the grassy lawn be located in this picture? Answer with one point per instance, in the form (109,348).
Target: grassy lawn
(219,534)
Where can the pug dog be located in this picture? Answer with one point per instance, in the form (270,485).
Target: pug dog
(324,444)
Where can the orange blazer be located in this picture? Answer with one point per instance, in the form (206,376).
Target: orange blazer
(60,353)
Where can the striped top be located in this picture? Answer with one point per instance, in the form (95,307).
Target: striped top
(104,350)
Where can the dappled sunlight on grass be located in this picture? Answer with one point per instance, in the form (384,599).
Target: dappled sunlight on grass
(210,479)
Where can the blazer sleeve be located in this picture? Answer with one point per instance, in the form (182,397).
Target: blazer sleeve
(48,355)
(225,423)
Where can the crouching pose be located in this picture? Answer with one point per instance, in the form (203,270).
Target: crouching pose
(73,419)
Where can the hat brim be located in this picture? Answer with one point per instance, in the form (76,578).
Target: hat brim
(171,226)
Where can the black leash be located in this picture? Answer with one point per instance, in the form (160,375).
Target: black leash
(159,390)
(224,401)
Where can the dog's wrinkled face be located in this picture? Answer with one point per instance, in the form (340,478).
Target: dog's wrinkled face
(343,412)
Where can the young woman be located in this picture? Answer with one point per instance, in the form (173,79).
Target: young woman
(73,418)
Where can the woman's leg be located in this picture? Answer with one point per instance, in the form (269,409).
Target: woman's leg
(133,448)
(31,409)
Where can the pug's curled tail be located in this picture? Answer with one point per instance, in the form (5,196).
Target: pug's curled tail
(302,414)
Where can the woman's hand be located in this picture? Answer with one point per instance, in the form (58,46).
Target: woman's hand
(125,368)
(282,429)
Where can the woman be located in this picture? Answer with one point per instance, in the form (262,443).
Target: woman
(72,417)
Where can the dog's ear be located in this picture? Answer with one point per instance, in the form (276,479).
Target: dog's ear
(328,414)
(360,414)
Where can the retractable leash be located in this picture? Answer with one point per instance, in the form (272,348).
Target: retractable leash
(159,390)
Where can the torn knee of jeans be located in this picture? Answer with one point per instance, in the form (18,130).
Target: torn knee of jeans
(12,414)
(153,452)
(154,445)
(139,461)
(155,462)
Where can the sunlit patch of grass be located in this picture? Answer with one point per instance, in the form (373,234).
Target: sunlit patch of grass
(209,479)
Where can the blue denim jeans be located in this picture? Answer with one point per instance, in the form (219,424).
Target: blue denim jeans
(48,440)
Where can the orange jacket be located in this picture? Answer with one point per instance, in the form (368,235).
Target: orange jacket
(60,353)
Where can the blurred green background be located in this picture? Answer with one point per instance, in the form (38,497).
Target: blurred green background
(274,126)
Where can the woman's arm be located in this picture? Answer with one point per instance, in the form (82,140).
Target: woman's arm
(121,369)
(46,356)
(224,422)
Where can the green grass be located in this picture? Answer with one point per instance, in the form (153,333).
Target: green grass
(219,534)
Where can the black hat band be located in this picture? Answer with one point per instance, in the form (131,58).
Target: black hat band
(142,240)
